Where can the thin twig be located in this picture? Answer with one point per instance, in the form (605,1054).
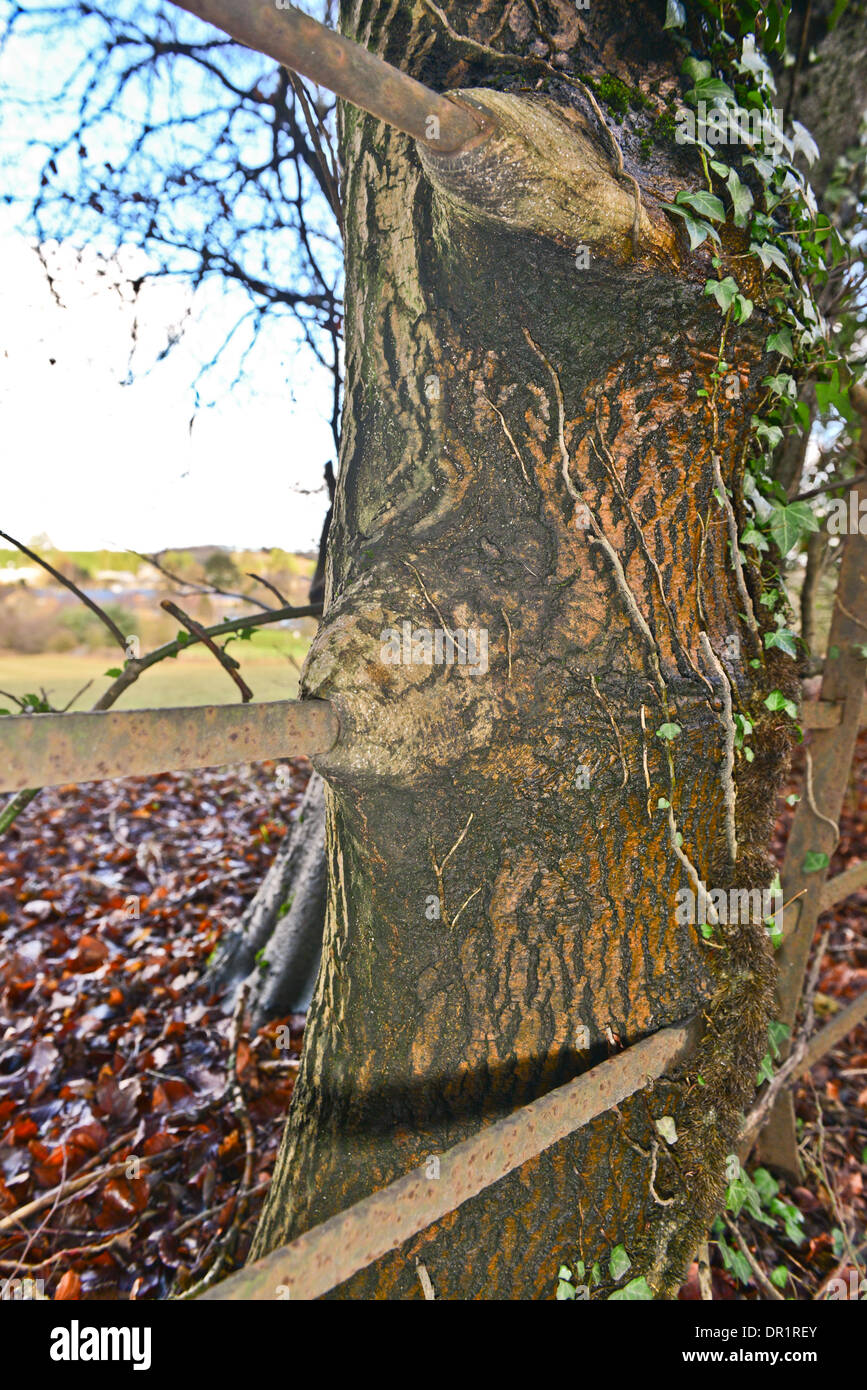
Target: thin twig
(830,486)
(608,710)
(319,136)
(197,587)
(425,1280)
(68,1189)
(761,1278)
(228,663)
(578,496)
(705,1282)
(508,433)
(438,872)
(446,627)
(73,588)
(797,1059)
(731,523)
(728,768)
(260,579)
(508,641)
(811,800)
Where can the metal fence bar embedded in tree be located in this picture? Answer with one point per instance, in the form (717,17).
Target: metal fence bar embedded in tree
(330,1253)
(823,714)
(48,750)
(835,889)
(306,46)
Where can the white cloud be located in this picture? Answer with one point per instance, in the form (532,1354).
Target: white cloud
(93,463)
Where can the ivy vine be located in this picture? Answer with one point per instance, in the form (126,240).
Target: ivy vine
(798,247)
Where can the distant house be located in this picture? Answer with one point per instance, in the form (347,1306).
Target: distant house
(20,574)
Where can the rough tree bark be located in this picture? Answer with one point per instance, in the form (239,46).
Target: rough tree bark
(526,452)
(277,944)
(809,91)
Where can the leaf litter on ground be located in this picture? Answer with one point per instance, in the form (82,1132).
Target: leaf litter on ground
(121,1156)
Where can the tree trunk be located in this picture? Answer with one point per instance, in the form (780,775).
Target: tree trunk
(816,564)
(277,944)
(533,452)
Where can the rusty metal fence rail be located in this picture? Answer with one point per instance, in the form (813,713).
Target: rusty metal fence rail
(330,1253)
(49,750)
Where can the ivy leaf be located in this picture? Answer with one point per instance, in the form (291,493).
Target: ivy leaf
(743,308)
(619,1262)
(781,385)
(770,255)
(741,1193)
(704,203)
(803,143)
(778,701)
(831,393)
(764,167)
(814,861)
(754,538)
(712,89)
(696,68)
(788,524)
(636,1289)
(724,292)
(765,1071)
(781,341)
(699,230)
(742,198)
(791,1218)
(772,434)
(668,732)
(784,639)
(675,15)
(736,1263)
(754,62)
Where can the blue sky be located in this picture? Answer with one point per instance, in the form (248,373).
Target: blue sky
(93,462)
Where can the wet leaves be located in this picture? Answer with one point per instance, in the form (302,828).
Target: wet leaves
(114,1109)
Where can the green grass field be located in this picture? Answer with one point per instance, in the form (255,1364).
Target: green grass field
(194,678)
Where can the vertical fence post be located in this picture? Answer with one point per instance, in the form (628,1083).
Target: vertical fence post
(829,761)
